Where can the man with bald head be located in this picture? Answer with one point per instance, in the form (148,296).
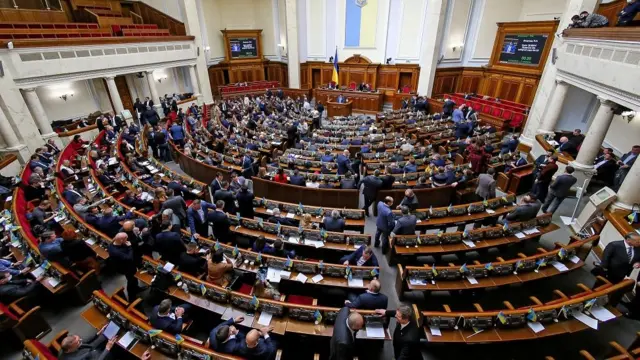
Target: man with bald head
(347,324)
(138,235)
(122,259)
(370,300)
(410,200)
(73,347)
(259,345)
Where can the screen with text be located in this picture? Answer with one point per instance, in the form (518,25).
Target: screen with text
(522,49)
(243,48)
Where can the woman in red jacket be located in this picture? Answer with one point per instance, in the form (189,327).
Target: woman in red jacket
(281,177)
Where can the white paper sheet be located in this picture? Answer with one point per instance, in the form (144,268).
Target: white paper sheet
(574,259)
(316,279)
(126,339)
(602,314)
(417,281)
(9,198)
(273,275)
(531,231)
(375,331)
(195,191)
(520,235)
(294,240)
(536,327)
(469,243)
(469,226)
(472,280)
(111,330)
(301,277)
(37,272)
(285,274)
(291,215)
(489,211)
(90,242)
(356,282)
(270,211)
(587,320)
(418,221)
(168,266)
(435,331)
(53,282)
(265,318)
(559,266)
(451,229)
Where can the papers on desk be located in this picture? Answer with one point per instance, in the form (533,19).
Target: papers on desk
(357,246)
(469,226)
(375,331)
(9,199)
(111,330)
(145,196)
(531,231)
(265,318)
(153,171)
(435,331)
(316,243)
(432,231)
(587,320)
(37,272)
(293,239)
(418,221)
(127,339)
(355,282)
(489,211)
(469,243)
(520,235)
(451,229)
(316,279)
(53,282)
(90,242)
(112,161)
(472,280)
(273,275)
(195,191)
(601,313)
(536,327)
(417,282)
(144,163)
(59,218)
(168,267)
(574,259)
(559,266)
(301,277)
(291,215)
(270,211)
(553,143)
(285,274)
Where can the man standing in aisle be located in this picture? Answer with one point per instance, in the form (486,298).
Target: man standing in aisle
(372,184)
(384,223)
(558,190)
(406,337)
(345,328)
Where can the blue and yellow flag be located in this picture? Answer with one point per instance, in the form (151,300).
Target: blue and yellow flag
(216,246)
(430,210)
(321,265)
(301,207)
(519,264)
(531,316)
(260,223)
(465,233)
(203,289)
(153,332)
(589,304)
(502,318)
(179,339)
(28,259)
(419,240)
(375,272)
(278,228)
(336,69)
(505,226)
(255,303)
(235,251)
(440,233)
(450,208)
(464,268)
(259,258)
(317,316)
(177,277)
(489,266)
(562,253)
(485,203)
(46,265)
(542,262)
(347,271)
(323,233)
(434,271)
(288,263)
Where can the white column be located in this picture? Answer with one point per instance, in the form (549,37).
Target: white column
(434,29)
(555,108)
(19,116)
(596,134)
(39,114)
(118,108)
(191,20)
(628,193)
(9,136)
(194,82)
(154,94)
(293,60)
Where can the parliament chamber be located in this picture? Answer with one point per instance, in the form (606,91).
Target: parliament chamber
(326,179)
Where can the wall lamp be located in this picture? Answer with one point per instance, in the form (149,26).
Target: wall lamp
(65,96)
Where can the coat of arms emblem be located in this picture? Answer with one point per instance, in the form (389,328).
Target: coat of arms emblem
(361,3)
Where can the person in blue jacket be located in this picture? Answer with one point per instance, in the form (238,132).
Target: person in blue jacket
(364,256)
(259,345)
(176,133)
(166,318)
(226,338)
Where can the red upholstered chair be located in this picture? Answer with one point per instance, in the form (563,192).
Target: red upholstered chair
(507,114)
(300,300)
(516,122)
(352,85)
(496,112)
(25,324)
(476,106)
(487,109)
(406,89)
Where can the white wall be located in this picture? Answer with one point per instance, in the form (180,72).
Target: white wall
(458,14)
(623,135)
(78,105)
(494,11)
(169,7)
(100,94)
(316,16)
(537,10)
(577,110)
(376,53)
(176,82)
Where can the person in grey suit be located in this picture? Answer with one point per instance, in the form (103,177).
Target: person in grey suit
(177,204)
(348,182)
(372,183)
(558,190)
(621,257)
(73,347)
(527,210)
(486,185)
(345,328)
(410,200)
(406,224)
(334,222)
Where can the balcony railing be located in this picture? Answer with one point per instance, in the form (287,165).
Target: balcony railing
(606,33)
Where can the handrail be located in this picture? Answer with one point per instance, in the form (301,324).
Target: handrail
(630,33)
(136,16)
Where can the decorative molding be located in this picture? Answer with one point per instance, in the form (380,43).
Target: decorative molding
(623,98)
(309,30)
(423,11)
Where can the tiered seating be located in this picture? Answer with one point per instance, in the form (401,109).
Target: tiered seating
(250,86)
(145,32)
(56,33)
(508,110)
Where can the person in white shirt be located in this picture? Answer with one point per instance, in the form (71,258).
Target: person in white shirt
(66,168)
(406,146)
(313,182)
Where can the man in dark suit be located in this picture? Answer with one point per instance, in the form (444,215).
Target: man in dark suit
(387,179)
(122,258)
(606,170)
(344,163)
(297,179)
(226,338)
(259,345)
(541,161)
(541,184)
(348,182)
(372,184)
(364,256)
(220,223)
(177,204)
(216,184)
(370,300)
(406,336)
(347,324)
(277,218)
(406,224)
(510,145)
(192,261)
(245,201)
(486,185)
(527,210)
(568,146)
(73,347)
(227,196)
(558,190)
(110,224)
(621,257)
(178,188)
(334,222)
(169,243)
(197,217)
(71,195)
(384,223)
(168,319)
(626,161)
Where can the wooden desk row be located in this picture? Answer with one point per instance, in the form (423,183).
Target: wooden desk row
(511,324)
(499,273)
(362,102)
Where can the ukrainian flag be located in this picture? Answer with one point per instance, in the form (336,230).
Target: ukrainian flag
(336,69)
(360,23)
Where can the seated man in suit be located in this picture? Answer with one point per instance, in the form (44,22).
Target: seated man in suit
(406,224)
(168,319)
(526,210)
(71,195)
(191,261)
(226,338)
(568,146)
(605,170)
(364,256)
(410,200)
(110,224)
(132,200)
(259,345)
(348,182)
(73,347)
(510,145)
(297,179)
(437,160)
(277,218)
(13,287)
(370,300)
(334,222)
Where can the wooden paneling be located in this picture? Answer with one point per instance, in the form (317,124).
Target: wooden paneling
(628,33)
(92,41)
(151,15)
(304,77)
(277,71)
(125,95)
(612,9)
(43,16)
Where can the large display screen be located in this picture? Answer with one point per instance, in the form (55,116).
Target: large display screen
(243,48)
(522,49)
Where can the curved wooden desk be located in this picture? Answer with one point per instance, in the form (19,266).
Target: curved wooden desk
(339,109)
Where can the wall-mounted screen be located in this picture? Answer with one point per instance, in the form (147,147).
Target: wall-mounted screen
(522,49)
(243,48)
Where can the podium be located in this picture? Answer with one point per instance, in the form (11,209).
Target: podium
(339,109)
